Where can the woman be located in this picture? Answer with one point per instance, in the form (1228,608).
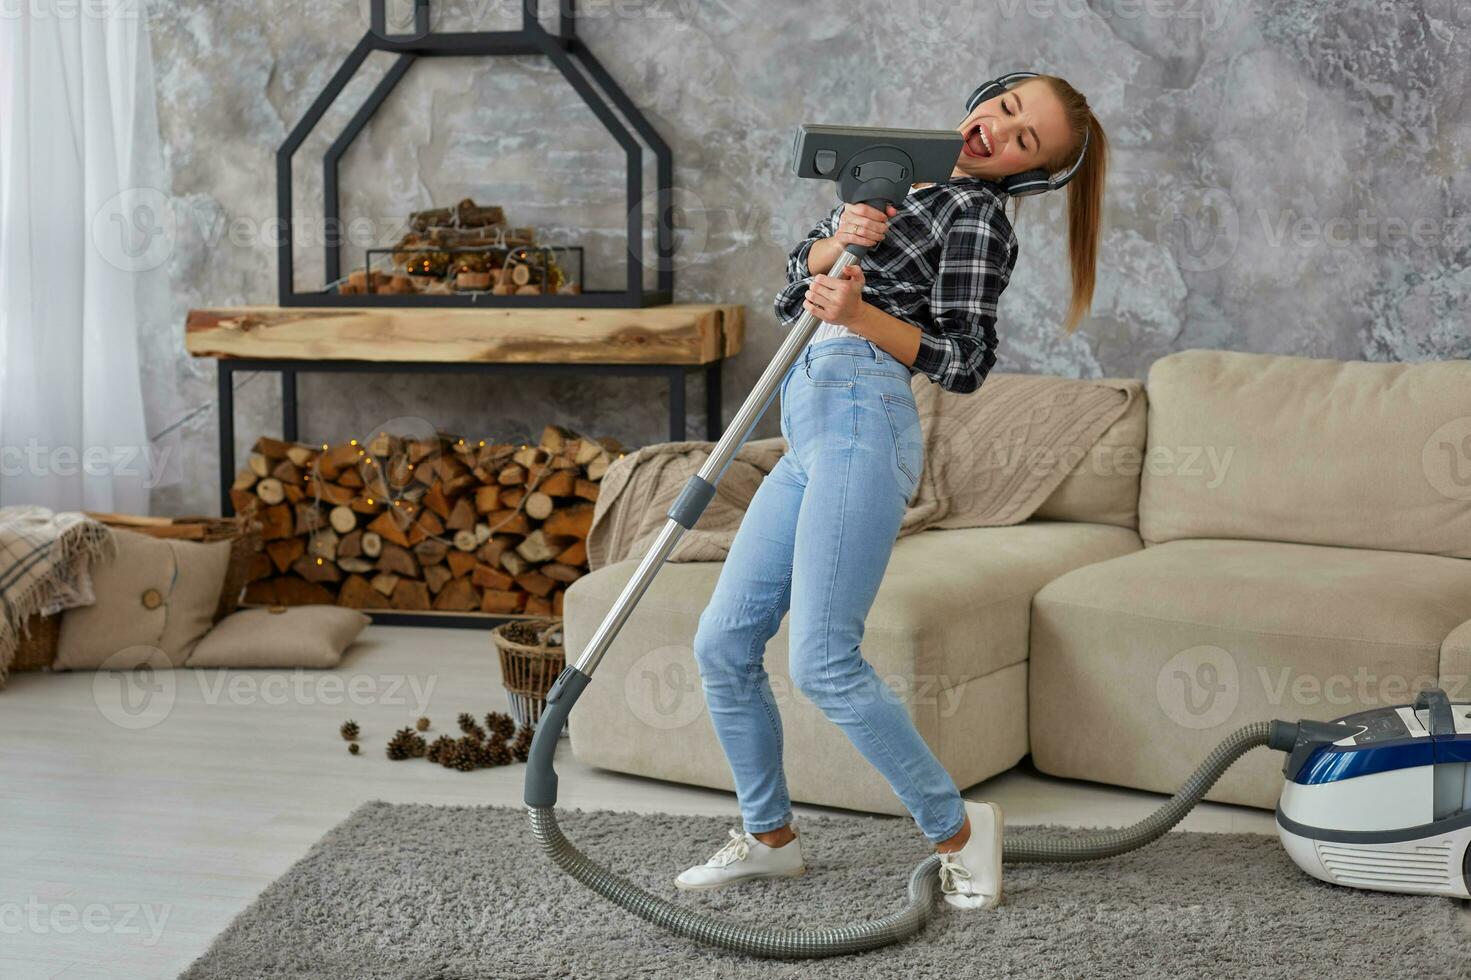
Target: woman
(820,529)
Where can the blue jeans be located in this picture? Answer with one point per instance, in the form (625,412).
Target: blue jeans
(816,540)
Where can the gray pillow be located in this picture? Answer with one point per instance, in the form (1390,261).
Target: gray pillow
(280,636)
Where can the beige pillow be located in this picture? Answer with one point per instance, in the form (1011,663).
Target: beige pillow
(1104,487)
(280,636)
(155,594)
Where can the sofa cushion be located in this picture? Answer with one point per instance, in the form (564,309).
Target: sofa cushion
(1103,487)
(1317,451)
(1455,663)
(1141,665)
(280,636)
(947,631)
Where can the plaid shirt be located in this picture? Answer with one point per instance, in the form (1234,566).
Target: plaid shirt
(942,266)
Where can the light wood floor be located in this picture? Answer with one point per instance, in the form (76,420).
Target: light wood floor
(126,848)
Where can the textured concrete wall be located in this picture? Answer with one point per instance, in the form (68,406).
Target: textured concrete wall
(1286,177)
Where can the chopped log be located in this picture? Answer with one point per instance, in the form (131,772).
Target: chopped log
(429,523)
(487,499)
(293,591)
(259,567)
(343,519)
(501,601)
(457,595)
(323,544)
(466,214)
(358,594)
(317,569)
(462,518)
(436,501)
(294,492)
(410,595)
(558,572)
(536,606)
(576,555)
(302,456)
(539,506)
(351,545)
(384,583)
(387,526)
(309,518)
(465,540)
(536,549)
(514,563)
(436,575)
(333,461)
(482,533)
(430,551)
(558,484)
(284,552)
(508,475)
(587,451)
(272,448)
(535,582)
(270,490)
(598,467)
(287,472)
(276,522)
(554,438)
(350,478)
(490,552)
(570,522)
(586,489)
(491,578)
(358,565)
(372,544)
(509,522)
(243,501)
(511,497)
(328,493)
(398,560)
(460,563)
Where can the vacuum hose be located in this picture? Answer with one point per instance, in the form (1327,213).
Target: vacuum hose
(904,922)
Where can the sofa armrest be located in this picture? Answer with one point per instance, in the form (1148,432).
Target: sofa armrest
(1455,663)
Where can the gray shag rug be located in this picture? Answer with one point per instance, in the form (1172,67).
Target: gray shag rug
(453,893)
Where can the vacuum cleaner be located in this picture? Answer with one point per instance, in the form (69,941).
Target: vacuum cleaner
(1380,799)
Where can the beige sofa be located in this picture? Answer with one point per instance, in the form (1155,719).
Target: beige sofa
(1265,536)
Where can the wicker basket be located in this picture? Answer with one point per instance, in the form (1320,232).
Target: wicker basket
(41,634)
(529,668)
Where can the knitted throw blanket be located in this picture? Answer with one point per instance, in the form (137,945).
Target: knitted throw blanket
(992,458)
(45,567)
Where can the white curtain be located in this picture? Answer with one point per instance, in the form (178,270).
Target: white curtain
(78,234)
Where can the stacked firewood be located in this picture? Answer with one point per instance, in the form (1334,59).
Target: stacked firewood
(436,523)
(467,247)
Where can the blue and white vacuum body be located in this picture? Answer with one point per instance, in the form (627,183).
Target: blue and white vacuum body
(1387,806)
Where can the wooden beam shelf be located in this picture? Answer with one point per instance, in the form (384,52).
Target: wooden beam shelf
(683,334)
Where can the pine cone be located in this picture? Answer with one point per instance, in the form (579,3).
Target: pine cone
(353,748)
(439,747)
(467,754)
(497,753)
(417,746)
(422,724)
(473,730)
(521,746)
(465,720)
(401,745)
(349,730)
(500,724)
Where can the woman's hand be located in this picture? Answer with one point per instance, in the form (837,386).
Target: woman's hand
(836,299)
(860,224)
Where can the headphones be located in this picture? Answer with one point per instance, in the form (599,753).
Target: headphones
(1027,182)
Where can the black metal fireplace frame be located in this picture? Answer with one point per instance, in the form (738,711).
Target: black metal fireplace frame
(588,79)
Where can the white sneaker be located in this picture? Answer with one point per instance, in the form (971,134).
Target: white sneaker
(742,858)
(970,878)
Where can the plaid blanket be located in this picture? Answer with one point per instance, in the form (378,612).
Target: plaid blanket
(45,567)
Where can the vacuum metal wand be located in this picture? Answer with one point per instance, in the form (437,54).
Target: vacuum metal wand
(686,510)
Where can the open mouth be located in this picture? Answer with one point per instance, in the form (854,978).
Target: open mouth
(978,142)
